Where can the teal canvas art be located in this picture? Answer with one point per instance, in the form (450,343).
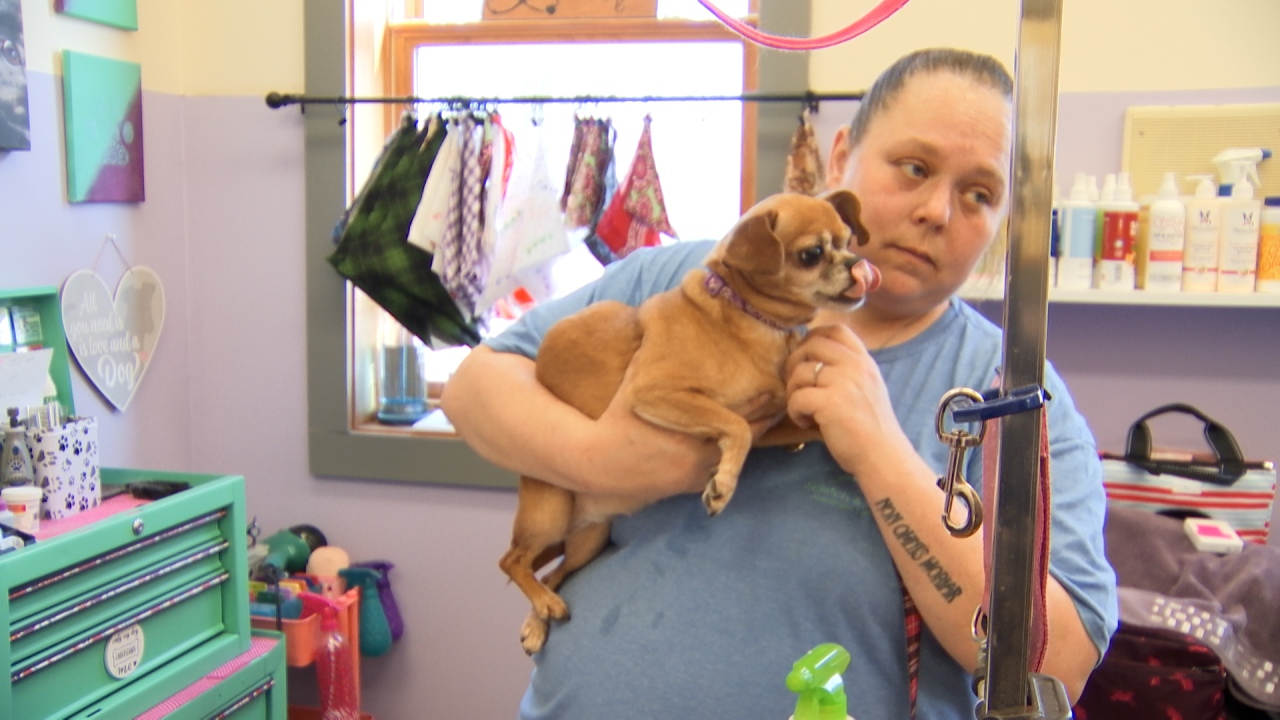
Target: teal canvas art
(116,13)
(102,102)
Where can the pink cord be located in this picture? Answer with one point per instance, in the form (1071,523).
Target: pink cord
(870,20)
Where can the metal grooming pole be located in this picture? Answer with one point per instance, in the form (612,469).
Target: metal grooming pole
(1008,690)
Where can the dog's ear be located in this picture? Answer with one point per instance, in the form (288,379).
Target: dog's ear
(850,210)
(753,246)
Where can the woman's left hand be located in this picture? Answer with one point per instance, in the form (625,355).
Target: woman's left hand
(833,382)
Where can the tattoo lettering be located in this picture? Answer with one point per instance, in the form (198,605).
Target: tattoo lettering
(914,546)
(888,512)
(941,579)
(918,551)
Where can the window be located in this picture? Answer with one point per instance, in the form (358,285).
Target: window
(663,58)
(344,441)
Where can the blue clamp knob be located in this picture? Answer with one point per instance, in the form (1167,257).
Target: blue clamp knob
(993,406)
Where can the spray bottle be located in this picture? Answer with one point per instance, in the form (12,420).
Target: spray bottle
(1078,218)
(816,679)
(1269,247)
(1200,255)
(335,673)
(1235,164)
(375,631)
(1166,238)
(1241,224)
(1116,268)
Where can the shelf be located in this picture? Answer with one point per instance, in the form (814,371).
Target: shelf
(1142,297)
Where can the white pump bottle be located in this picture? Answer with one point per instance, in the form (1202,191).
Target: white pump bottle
(1200,255)
(1166,237)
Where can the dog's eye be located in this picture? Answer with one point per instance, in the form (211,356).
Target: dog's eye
(10,52)
(810,256)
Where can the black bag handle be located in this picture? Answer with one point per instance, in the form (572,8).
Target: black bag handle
(1226,451)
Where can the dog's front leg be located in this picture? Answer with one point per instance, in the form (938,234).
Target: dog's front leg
(694,413)
(787,433)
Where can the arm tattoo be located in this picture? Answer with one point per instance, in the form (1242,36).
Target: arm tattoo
(918,551)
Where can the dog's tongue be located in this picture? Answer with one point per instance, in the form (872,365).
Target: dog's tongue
(866,278)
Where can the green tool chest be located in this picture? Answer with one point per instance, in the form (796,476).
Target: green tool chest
(112,617)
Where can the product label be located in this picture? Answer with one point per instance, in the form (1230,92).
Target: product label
(1078,225)
(124,651)
(1269,252)
(27,330)
(1201,252)
(1119,231)
(1168,233)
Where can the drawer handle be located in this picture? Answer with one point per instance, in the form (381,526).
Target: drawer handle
(253,695)
(114,555)
(117,590)
(118,626)
(138,526)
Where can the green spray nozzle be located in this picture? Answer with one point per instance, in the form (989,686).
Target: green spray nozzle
(327,609)
(816,679)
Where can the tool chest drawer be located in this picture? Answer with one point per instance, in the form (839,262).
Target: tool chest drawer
(158,590)
(252,686)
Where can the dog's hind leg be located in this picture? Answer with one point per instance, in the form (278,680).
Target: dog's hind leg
(580,548)
(542,522)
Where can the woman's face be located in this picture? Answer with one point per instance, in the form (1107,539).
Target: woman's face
(931,173)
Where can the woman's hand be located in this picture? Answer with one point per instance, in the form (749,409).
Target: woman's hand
(833,382)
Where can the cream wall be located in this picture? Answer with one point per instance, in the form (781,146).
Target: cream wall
(185,47)
(1106,45)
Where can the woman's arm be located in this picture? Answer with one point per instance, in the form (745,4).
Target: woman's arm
(944,574)
(500,409)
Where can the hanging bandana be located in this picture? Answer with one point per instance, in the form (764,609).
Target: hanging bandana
(530,233)
(804,162)
(588,178)
(499,174)
(575,156)
(372,252)
(636,216)
(428,227)
(460,263)
(599,249)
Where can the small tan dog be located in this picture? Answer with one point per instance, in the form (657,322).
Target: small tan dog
(706,359)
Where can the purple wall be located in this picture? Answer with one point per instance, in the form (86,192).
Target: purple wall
(223,227)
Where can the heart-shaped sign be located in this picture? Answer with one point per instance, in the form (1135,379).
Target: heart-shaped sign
(113,338)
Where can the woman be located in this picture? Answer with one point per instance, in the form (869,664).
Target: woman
(690,616)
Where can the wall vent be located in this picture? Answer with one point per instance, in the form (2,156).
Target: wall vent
(1184,138)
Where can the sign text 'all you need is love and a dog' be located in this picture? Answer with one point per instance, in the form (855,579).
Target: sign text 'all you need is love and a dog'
(113,338)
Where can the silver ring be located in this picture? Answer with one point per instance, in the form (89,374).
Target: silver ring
(817,369)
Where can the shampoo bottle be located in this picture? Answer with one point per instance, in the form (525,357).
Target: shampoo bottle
(1116,269)
(1269,247)
(1078,219)
(1200,255)
(15,467)
(1238,256)
(1166,237)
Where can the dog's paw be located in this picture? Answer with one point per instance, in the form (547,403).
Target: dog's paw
(533,634)
(714,500)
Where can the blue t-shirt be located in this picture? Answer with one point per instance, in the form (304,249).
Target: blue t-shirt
(687,616)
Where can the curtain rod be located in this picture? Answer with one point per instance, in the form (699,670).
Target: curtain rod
(277,100)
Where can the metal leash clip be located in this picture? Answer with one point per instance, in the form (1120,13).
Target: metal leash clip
(953,482)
